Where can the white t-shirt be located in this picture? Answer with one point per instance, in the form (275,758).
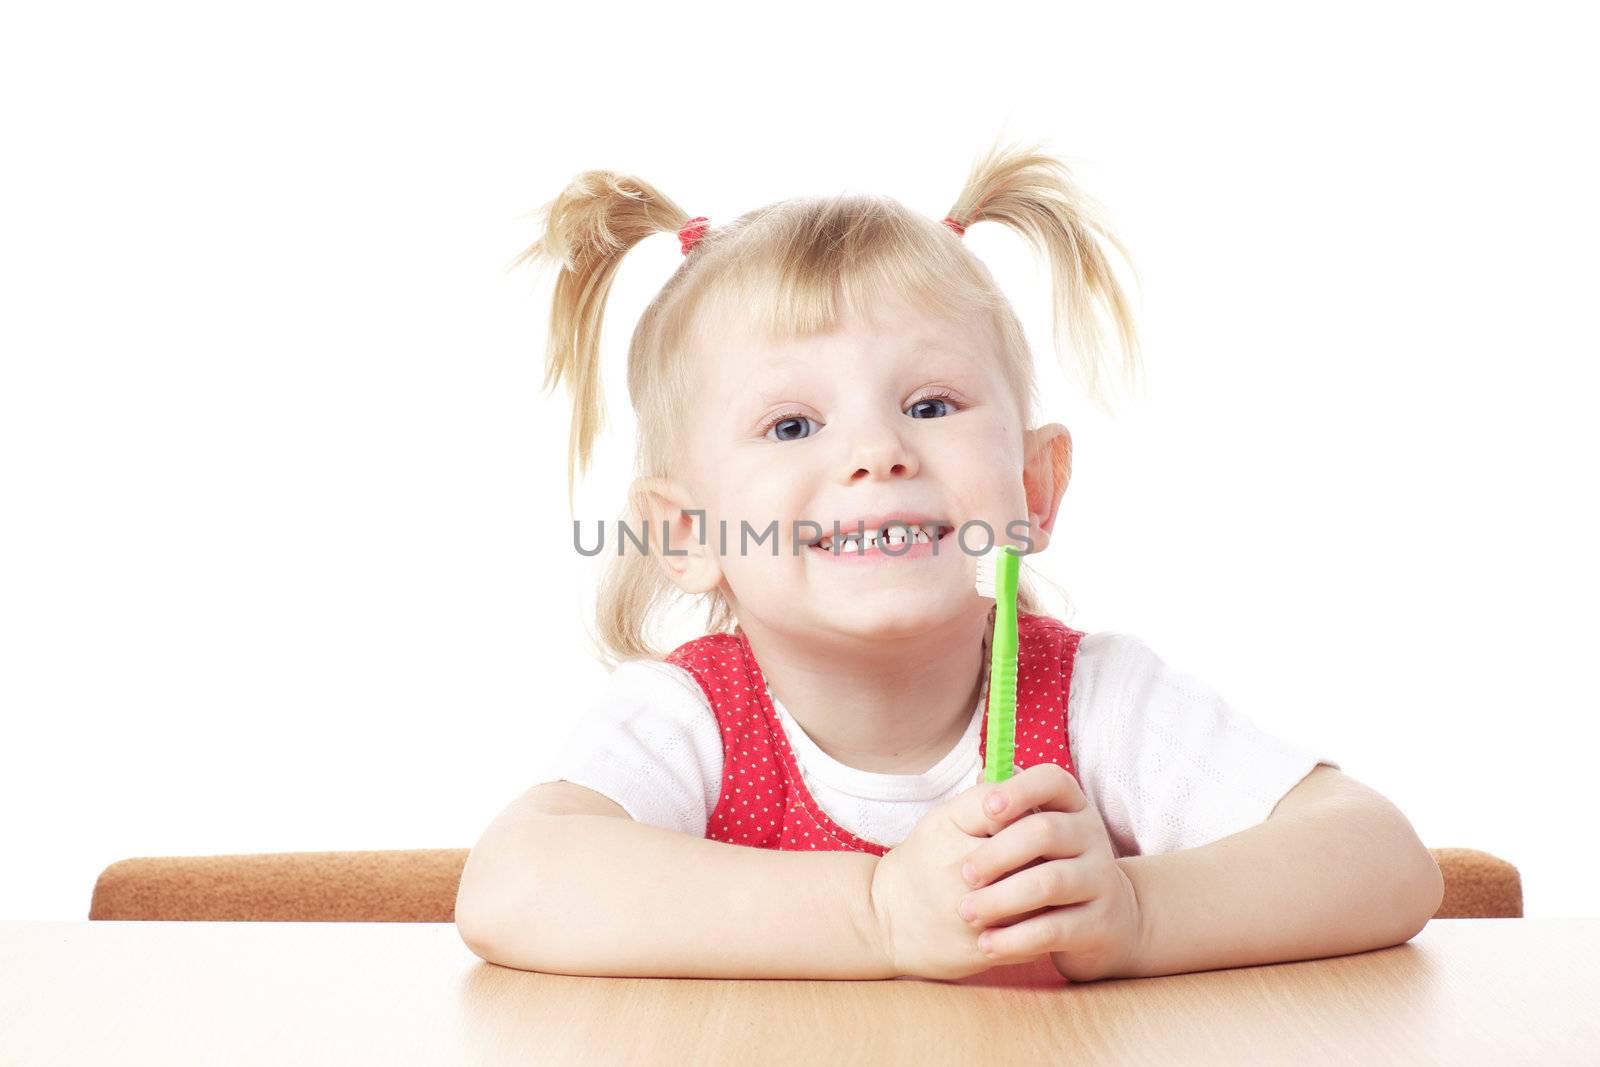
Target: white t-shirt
(1163,759)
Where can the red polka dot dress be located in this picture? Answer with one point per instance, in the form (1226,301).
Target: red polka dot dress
(764,801)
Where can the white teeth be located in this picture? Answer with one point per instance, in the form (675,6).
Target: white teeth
(867,540)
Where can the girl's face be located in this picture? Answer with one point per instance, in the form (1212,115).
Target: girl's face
(904,417)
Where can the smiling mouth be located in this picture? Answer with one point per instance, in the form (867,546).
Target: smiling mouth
(894,537)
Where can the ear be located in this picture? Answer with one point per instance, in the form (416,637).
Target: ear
(670,516)
(1046,469)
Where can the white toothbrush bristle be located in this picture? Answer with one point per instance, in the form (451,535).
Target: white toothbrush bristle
(986,572)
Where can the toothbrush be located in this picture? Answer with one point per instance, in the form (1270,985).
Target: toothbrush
(997,580)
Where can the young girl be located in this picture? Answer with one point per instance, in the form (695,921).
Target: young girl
(834,403)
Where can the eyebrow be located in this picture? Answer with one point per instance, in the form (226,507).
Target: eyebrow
(919,355)
(773,389)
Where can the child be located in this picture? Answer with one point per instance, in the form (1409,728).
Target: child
(787,796)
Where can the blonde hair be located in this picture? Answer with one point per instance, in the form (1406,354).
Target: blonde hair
(792,268)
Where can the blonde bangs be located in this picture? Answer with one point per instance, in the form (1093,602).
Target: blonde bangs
(800,266)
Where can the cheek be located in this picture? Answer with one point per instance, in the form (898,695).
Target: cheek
(990,461)
(989,431)
(755,497)
(746,507)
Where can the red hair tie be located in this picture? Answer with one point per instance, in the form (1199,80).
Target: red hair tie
(959,227)
(691,232)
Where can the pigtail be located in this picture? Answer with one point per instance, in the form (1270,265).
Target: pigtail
(587,231)
(1036,196)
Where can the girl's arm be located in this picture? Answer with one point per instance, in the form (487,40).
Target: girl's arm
(1335,868)
(563,881)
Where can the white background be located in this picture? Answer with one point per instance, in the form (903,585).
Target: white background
(285,562)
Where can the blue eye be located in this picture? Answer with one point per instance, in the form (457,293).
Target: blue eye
(789,428)
(931,407)
(795,427)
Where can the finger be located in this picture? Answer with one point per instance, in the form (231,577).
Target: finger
(1031,938)
(1047,885)
(979,781)
(1044,786)
(1047,835)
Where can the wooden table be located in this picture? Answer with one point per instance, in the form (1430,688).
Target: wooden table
(1463,991)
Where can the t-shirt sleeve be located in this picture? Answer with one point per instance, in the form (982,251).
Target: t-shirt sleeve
(1164,759)
(650,742)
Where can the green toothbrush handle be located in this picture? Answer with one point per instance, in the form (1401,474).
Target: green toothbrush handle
(1000,745)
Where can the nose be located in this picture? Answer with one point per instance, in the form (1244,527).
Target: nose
(879,452)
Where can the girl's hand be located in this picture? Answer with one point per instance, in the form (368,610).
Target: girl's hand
(917,886)
(1049,882)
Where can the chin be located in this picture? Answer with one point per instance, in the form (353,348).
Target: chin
(890,614)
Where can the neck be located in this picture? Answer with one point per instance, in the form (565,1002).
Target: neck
(893,705)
